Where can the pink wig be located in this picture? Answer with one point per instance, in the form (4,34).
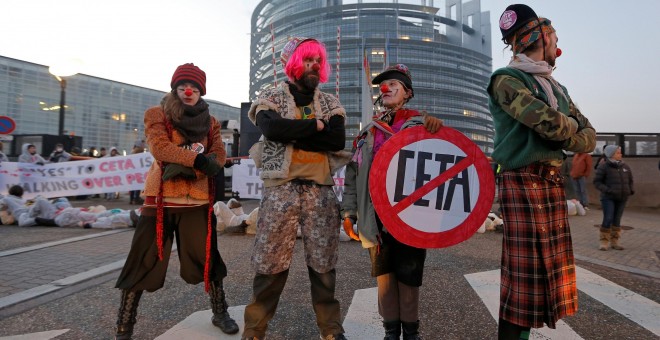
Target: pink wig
(295,66)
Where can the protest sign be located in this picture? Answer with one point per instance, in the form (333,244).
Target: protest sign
(73,178)
(247,184)
(431,190)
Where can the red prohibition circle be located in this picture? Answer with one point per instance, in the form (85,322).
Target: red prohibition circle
(389,214)
(7,125)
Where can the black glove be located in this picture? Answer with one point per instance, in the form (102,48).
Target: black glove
(40,163)
(208,165)
(174,170)
(554,144)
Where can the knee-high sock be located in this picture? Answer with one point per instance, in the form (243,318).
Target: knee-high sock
(408,303)
(388,297)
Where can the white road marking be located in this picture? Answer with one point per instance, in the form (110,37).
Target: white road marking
(362,319)
(487,286)
(635,307)
(198,326)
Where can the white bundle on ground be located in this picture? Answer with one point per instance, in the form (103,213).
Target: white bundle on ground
(575,208)
(228,215)
(252,222)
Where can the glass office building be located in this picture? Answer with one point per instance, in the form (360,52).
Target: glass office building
(104,113)
(446,44)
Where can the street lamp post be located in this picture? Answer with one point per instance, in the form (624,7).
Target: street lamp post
(60,72)
(60,129)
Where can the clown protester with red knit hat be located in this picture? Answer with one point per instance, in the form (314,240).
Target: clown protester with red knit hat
(188,152)
(303,142)
(535,122)
(397,267)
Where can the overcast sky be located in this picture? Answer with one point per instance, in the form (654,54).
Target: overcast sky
(611,49)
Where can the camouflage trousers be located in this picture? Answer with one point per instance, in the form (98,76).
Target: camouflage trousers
(312,207)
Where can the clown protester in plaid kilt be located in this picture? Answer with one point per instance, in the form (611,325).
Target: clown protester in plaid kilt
(535,120)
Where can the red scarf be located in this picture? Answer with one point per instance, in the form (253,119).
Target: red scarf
(160,212)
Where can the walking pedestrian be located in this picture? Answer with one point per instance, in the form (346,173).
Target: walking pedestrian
(581,170)
(535,120)
(614,180)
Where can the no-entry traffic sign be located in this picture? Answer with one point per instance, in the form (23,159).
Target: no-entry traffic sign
(7,125)
(431,190)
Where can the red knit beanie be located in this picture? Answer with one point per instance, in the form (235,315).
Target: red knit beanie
(189,73)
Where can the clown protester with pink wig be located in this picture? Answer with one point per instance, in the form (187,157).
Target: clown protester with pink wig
(303,138)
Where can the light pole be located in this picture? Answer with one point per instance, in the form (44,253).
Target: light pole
(60,72)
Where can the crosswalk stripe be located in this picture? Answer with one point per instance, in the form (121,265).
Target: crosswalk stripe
(487,286)
(362,320)
(635,307)
(198,326)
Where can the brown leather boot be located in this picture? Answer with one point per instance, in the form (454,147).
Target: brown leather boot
(126,317)
(614,238)
(221,318)
(604,238)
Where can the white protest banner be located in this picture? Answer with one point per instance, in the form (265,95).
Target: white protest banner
(73,178)
(431,190)
(246,182)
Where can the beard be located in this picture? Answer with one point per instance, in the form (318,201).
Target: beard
(309,80)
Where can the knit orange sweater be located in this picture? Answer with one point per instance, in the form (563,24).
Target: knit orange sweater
(165,150)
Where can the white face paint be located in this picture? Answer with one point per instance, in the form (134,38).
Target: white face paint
(396,95)
(188,93)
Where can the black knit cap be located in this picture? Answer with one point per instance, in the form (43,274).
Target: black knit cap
(398,72)
(514,17)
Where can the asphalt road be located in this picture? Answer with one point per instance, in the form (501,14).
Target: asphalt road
(450,307)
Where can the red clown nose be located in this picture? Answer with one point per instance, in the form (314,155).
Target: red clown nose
(384,88)
(316,67)
(188,92)
(558,53)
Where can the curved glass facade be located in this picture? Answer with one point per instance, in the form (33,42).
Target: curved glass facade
(446,45)
(105,113)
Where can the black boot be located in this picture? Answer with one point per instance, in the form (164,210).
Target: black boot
(392,330)
(221,318)
(410,330)
(127,313)
(45,222)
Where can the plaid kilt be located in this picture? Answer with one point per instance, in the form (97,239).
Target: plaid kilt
(538,283)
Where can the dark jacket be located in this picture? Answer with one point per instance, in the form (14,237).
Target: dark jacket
(614,180)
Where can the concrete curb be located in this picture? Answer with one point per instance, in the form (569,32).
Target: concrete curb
(35,292)
(57,243)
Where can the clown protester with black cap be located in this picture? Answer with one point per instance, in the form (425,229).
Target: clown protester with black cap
(398,268)
(303,142)
(535,120)
(188,152)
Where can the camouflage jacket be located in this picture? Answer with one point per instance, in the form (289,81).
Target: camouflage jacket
(527,129)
